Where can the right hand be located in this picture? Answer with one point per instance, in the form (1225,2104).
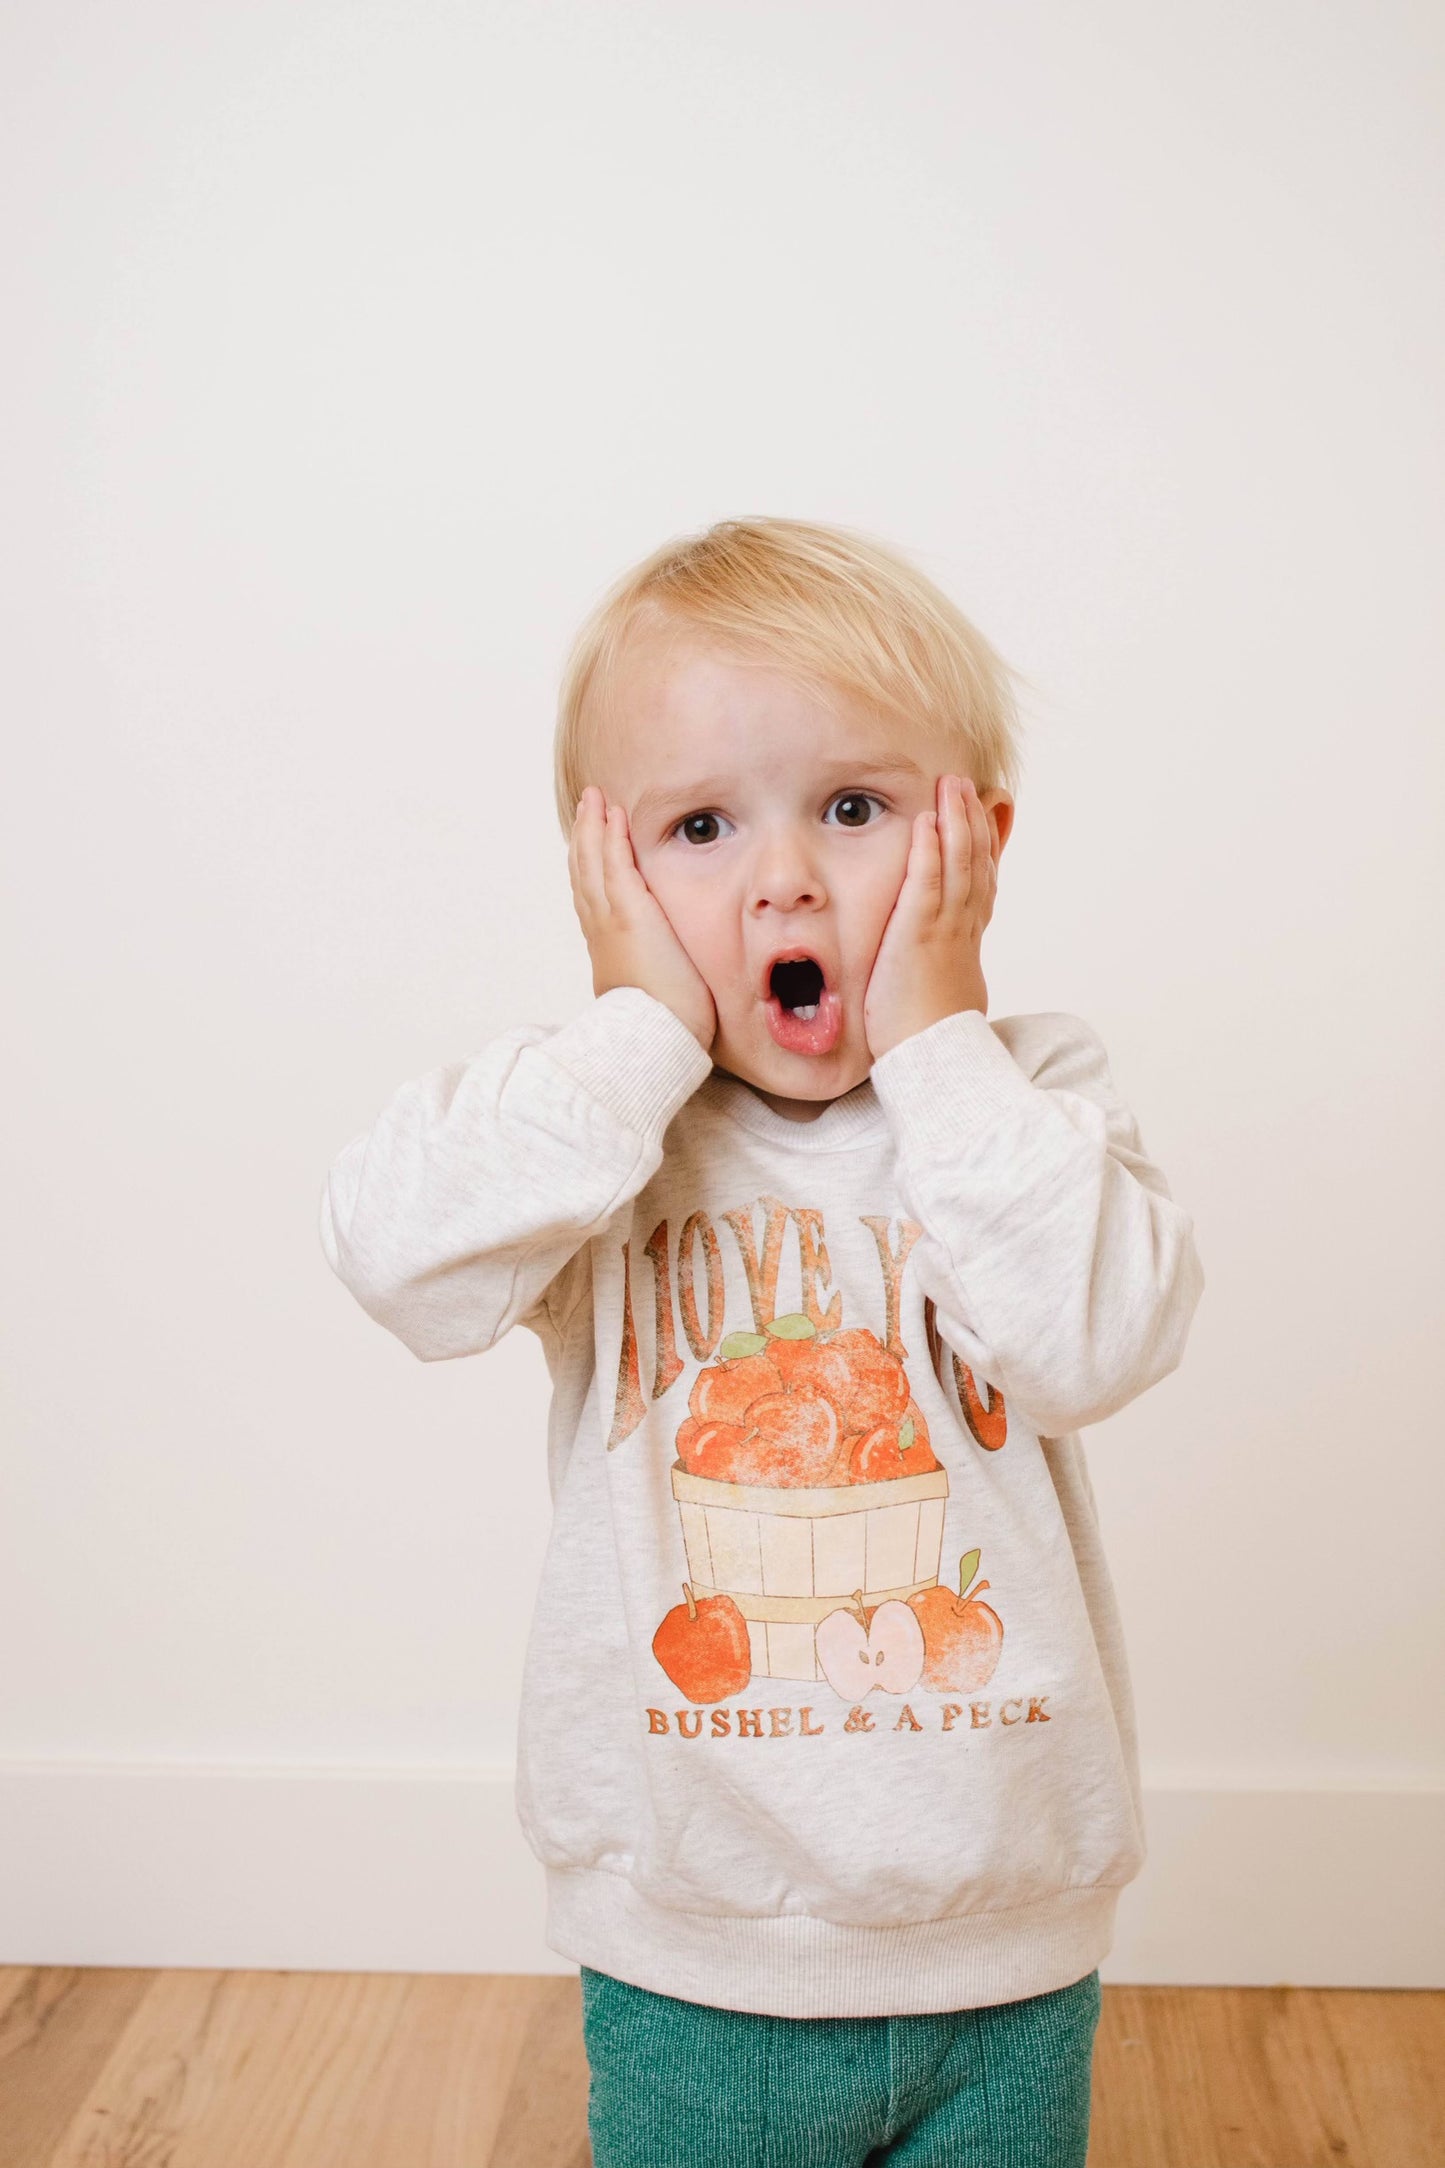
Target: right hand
(629,936)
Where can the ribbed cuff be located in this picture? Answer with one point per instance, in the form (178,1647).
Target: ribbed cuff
(956,1072)
(633,1055)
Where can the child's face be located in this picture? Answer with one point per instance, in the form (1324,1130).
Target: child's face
(766,817)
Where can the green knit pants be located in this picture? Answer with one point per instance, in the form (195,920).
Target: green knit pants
(679,2084)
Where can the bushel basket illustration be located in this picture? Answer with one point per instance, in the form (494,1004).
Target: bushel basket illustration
(787,1557)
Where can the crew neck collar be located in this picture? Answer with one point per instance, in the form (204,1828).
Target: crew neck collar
(852,1119)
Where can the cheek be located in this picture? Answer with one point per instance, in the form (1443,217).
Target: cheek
(705,912)
(694,911)
(869,903)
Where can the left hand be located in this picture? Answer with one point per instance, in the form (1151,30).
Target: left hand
(928,964)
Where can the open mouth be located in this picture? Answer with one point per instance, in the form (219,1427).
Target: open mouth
(798,985)
(805,1014)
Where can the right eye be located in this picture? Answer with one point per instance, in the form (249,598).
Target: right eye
(687,827)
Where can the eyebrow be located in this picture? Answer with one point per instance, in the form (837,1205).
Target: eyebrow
(657,798)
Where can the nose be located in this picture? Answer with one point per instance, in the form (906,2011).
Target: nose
(785,874)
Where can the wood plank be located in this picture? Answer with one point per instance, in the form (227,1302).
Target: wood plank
(1391,2047)
(304,2070)
(1147,2107)
(544,2119)
(58,2026)
(1223,2077)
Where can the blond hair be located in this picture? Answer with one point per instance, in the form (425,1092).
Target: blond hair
(831,608)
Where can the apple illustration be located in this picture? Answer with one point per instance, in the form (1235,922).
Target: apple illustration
(875,1457)
(703,1647)
(841,1470)
(708,1448)
(877,1380)
(914,1449)
(962,1637)
(722,1392)
(811,1361)
(892,1449)
(791,1437)
(796,1404)
(860,1649)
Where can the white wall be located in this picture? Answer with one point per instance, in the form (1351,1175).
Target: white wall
(351,350)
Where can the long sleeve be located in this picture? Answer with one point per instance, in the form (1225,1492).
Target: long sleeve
(1062,1270)
(477,1184)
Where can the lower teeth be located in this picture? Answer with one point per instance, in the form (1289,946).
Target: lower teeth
(808,1012)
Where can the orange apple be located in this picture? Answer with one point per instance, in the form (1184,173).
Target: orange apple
(791,1437)
(962,1638)
(892,1449)
(708,1448)
(812,1362)
(876,1458)
(703,1647)
(878,1382)
(720,1394)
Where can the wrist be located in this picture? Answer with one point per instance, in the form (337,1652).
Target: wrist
(923,1019)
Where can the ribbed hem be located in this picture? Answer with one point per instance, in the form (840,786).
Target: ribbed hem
(633,1055)
(957,1071)
(791,1965)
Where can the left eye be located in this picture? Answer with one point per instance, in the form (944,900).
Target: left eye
(697,820)
(694,826)
(857,798)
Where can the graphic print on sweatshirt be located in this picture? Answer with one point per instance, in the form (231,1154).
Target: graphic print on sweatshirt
(810,1500)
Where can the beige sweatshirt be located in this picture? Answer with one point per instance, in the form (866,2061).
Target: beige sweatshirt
(825,1706)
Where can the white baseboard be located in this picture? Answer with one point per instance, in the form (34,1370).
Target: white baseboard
(426,1870)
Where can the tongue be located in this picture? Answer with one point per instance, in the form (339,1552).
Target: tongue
(816,1034)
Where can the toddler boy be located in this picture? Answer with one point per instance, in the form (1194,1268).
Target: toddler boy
(830,1270)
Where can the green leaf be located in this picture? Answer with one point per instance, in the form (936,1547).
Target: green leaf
(967,1569)
(793,1327)
(906,1433)
(742,1343)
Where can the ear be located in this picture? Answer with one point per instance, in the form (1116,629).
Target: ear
(998,809)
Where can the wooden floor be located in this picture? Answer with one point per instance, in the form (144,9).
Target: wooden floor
(189,2069)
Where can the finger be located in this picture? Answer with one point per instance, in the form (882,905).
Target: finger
(985,871)
(574,873)
(973,858)
(575,853)
(948,845)
(618,863)
(958,842)
(616,848)
(587,836)
(959,831)
(923,877)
